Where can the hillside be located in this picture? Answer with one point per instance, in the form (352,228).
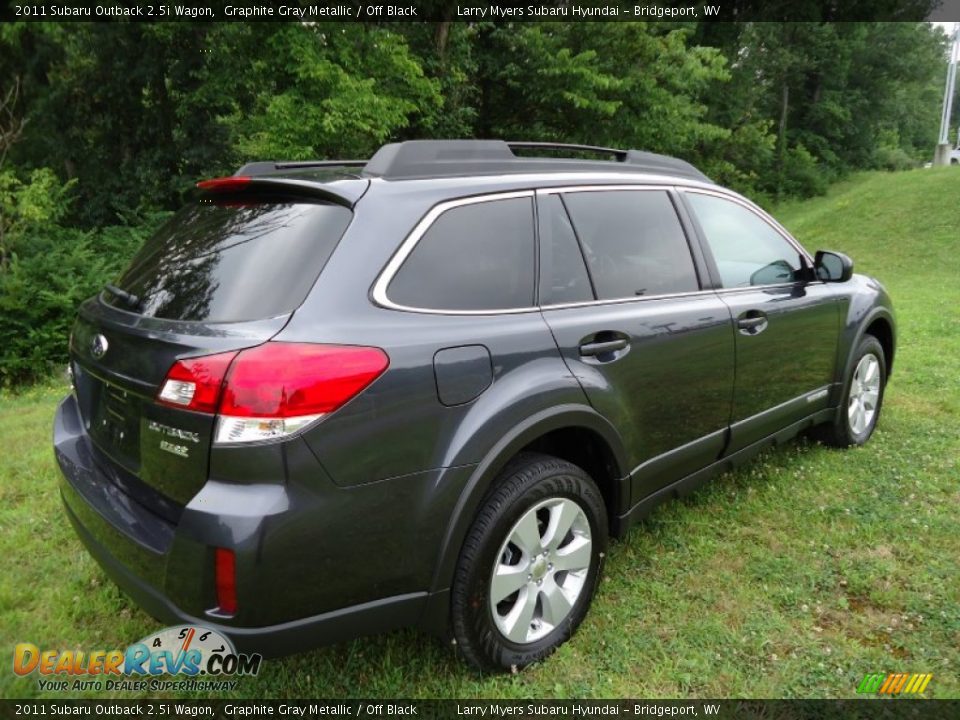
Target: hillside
(793,577)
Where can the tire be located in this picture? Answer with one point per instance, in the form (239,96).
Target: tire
(862,398)
(513,547)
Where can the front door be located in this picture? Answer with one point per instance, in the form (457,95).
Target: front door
(786,327)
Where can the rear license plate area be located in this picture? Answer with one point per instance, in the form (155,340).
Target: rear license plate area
(115,424)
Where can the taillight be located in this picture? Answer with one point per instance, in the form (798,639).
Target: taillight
(194,383)
(225,577)
(274,389)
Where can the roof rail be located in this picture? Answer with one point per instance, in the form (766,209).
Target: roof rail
(567,147)
(446,158)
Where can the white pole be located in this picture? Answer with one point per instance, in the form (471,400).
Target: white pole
(942,154)
(947,102)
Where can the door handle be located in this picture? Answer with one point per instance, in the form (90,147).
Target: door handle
(752,322)
(598,348)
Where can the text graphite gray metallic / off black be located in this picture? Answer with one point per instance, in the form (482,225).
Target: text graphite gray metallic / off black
(339,397)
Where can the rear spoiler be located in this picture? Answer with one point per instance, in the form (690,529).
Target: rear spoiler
(269,166)
(344,192)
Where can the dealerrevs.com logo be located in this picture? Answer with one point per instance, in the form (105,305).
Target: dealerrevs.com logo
(190,651)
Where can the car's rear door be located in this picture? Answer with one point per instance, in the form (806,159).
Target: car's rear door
(651,346)
(787,326)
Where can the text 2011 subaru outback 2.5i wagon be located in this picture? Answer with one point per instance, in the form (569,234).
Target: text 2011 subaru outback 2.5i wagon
(334,398)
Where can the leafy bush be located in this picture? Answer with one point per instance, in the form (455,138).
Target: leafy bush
(39,294)
(894,158)
(43,285)
(802,176)
(741,159)
(47,270)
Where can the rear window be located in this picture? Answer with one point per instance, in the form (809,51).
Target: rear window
(475,257)
(231,261)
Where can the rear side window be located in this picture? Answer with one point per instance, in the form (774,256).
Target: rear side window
(473,257)
(226,262)
(633,242)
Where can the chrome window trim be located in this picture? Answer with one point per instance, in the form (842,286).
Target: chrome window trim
(665,187)
(621,301)
(670,296)
(379,291)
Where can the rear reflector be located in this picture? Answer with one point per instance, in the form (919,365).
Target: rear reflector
(225,574)
(271,390)
(224,184)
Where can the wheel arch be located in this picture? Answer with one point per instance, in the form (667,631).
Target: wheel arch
(878,322)
(882,329)
(548,430)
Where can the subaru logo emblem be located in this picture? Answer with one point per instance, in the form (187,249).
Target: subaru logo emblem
(99,346)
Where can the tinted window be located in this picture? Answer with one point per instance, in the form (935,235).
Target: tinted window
(747,249)
(225,262)
(563,276)
(633,243)
(473,257)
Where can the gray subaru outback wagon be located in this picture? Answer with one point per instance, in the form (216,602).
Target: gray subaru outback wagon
(330,398)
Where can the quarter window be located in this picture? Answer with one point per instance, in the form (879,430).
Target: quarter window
(473,257)
(633,243)
(747,249)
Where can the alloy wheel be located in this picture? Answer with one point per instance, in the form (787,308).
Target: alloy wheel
(541,570)
(864,393)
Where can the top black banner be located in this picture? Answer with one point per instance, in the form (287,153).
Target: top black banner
(380,11)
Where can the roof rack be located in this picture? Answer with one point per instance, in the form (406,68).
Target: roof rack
(420,159)
(445,158)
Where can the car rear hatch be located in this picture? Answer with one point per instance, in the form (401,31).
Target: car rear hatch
(223,274)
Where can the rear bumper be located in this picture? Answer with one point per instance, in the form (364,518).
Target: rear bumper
(271,640)
(167,569)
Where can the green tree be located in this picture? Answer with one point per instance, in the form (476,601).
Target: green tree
(622,84)
(837,96)
(332,90)
(447,52)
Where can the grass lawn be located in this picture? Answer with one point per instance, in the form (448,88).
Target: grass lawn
(793,577)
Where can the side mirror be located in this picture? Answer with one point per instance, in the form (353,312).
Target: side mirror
(832,266)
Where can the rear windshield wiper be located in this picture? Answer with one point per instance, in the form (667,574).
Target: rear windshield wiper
(130,299)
